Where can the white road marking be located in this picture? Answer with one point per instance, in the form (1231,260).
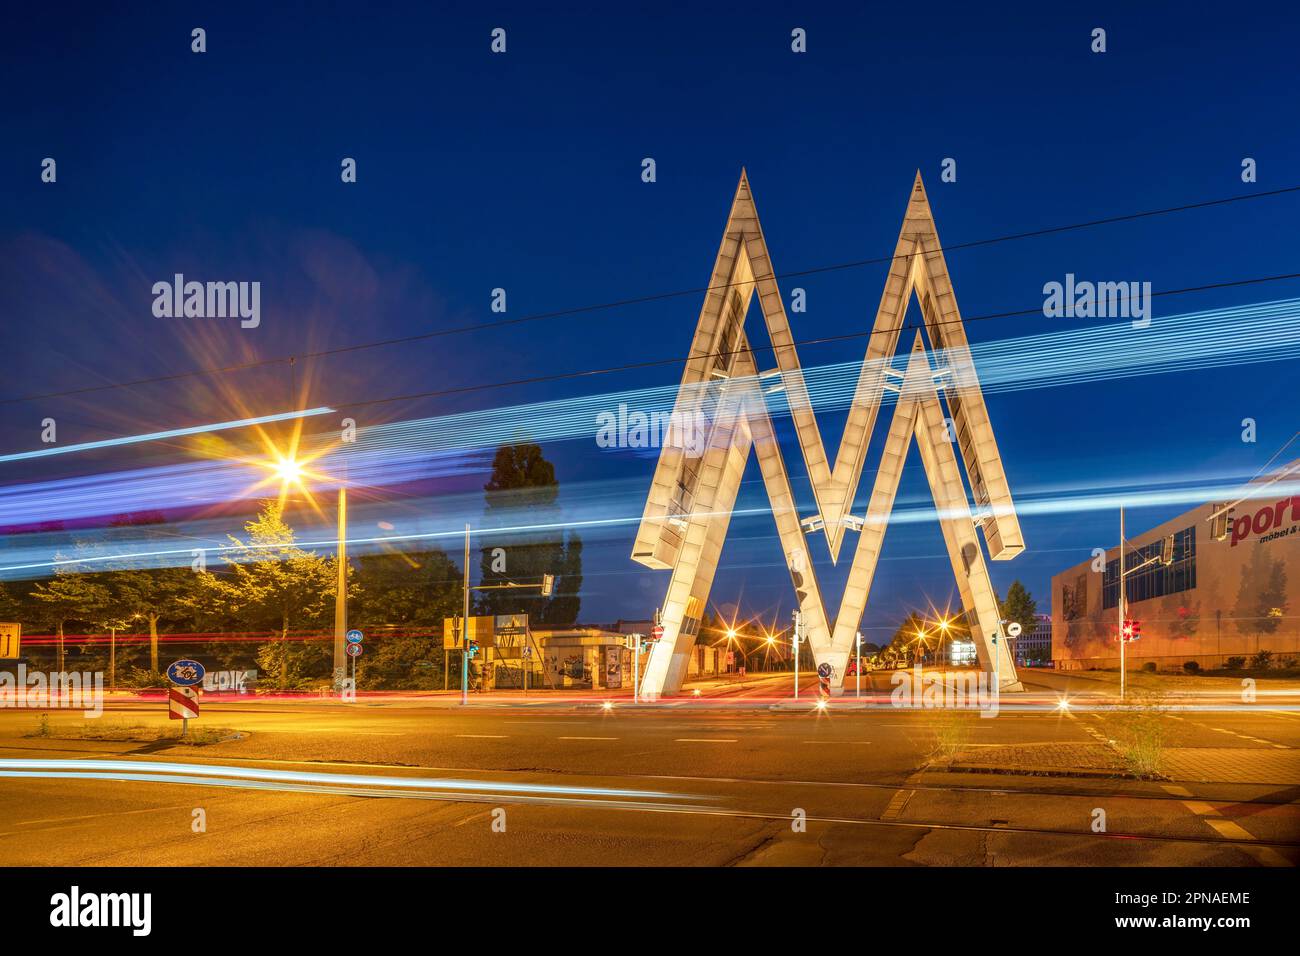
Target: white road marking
(586,738)
(853,743)
(484,736)
(896,804)
(705,740)
(1235,831)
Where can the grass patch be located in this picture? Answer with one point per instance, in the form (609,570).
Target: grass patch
(122,732)
(952,731)
(1138,732)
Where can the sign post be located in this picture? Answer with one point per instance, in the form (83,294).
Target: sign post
(182,704)
(183,699)
(353,649)
(1012,630)
(11,641)
(858,669)
(794,642)
(824,673)
(636,668)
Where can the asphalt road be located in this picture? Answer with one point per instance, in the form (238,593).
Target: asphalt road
(318,783)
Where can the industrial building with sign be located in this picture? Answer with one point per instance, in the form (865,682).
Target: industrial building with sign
(1217,585)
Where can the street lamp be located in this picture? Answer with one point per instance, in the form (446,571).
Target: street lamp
(546,587)
(857,671)
(289,470)
(1165,557)
(292,472)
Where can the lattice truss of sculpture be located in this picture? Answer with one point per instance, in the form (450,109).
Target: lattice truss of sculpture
(696,482)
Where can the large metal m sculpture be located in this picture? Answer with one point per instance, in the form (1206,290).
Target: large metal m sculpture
(696,483)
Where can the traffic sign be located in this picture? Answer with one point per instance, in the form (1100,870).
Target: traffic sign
(1014,629)
(355,636)
(354,650)
(182,703)
(185,672)
(11,639)
(656,632)
(824,672)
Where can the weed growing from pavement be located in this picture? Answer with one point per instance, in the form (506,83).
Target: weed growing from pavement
(1138,730)
(951,731)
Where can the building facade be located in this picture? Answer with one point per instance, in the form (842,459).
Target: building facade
(1216,583)
(1034,648)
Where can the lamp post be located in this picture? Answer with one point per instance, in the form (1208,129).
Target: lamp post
(857,671)
(1165,557)
(341,595)
(1120,602)
(547,588)
(794,641)
(290,471)
(464,629)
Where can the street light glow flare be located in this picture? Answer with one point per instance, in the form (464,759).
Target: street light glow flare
(289,470)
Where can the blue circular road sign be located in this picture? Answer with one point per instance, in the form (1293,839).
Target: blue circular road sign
(185,672)
(355,636)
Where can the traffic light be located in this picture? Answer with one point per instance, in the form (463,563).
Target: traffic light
(548,585)
(473,649)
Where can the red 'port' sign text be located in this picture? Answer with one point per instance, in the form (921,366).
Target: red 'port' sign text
(1265,519)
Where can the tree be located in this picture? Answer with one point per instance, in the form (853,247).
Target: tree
(273,581)
(400,589)
(1261,597)
(1272,599)
(904,643)
(151,594)
(71,595)
(523,490)
(413,592)
(1019,607)
(11,608)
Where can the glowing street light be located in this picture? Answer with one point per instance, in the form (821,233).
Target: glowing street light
(291,471)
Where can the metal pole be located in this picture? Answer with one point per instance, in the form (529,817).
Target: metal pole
(464,630)
(858,670)
(112,658)
(795,641)
(341,595)
(997,657)
(636,669)
(1120,602)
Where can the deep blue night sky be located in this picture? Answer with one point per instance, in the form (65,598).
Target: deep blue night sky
(523,171)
